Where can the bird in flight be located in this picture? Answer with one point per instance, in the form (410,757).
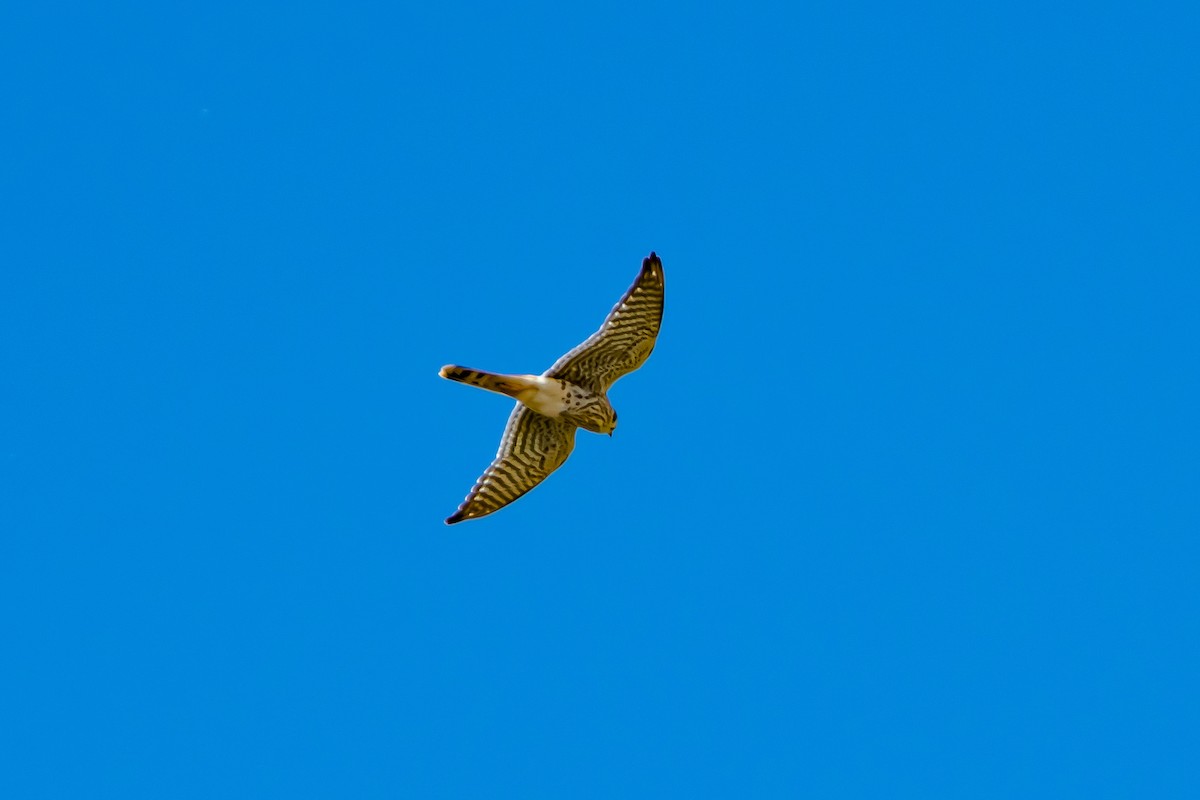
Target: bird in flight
(573,393)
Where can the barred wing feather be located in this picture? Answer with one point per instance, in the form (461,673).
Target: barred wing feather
(626,338)
(531,448)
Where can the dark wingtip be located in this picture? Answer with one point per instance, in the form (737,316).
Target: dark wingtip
(652,269)
(457,516)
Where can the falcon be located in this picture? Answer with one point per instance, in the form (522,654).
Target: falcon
(572,394)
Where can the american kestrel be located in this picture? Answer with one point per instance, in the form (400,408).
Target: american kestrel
(572,394)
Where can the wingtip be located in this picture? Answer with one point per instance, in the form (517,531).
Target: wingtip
(652,267)
(457,516)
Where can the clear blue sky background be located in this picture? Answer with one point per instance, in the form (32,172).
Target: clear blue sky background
(904,503)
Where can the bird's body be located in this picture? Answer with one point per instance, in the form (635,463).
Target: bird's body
(550,397)
(573,393)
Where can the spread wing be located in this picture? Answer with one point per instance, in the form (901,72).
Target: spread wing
(626,338)
(532,447)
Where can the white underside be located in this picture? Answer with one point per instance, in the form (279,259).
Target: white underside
(547,397)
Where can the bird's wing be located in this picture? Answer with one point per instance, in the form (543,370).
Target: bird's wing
(626,338)
(532,447)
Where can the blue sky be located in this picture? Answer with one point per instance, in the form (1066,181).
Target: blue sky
(903,504)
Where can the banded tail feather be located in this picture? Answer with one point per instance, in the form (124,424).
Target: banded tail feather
(510,385)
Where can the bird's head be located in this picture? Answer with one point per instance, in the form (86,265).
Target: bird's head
(597,417)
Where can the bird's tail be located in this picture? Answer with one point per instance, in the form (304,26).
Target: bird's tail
(511,385)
